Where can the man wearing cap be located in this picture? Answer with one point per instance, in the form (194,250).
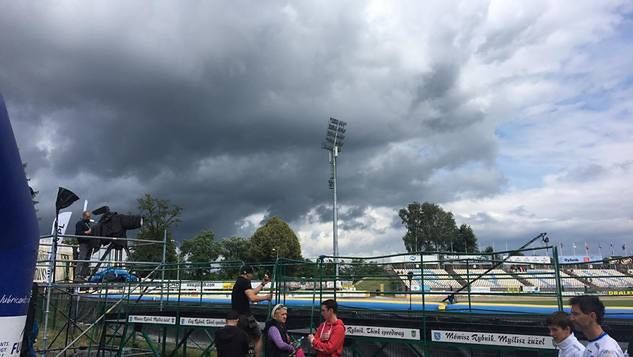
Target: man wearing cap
(242,295)
(231,341)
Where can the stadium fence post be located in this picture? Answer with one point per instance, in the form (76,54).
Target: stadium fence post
(274,288)
(423,300)
(322,265)
(316,267)
(162,279)
(559,288)
(468,284)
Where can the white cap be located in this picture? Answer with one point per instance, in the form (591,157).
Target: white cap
(277,307)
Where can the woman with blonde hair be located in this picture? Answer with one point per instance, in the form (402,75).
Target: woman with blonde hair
(278,342)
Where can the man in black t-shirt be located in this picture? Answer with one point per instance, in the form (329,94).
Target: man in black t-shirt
(230,340)
(86,246)
(242,295)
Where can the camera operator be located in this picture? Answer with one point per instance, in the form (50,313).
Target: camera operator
(86,246)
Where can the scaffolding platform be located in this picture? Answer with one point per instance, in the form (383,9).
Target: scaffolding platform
(167,313)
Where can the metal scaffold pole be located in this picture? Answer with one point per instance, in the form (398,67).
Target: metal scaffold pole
(49,285)
(162,277)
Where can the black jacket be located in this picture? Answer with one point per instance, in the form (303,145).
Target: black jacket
(80,228)
(271,348)
(231,341)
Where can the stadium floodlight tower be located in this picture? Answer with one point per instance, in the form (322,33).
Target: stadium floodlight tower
(333,144)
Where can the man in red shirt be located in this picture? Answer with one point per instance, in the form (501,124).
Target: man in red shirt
(329,337)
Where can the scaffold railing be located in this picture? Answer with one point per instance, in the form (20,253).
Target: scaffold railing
(171,308)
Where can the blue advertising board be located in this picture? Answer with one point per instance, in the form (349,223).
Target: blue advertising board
(579,259)
(18,241)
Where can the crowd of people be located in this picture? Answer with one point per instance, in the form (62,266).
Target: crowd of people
(242,335)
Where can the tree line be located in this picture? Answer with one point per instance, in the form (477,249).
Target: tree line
(432,229)
(204,256)
(429,228)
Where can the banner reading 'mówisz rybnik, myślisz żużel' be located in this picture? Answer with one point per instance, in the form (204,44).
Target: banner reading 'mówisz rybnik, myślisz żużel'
(18,241)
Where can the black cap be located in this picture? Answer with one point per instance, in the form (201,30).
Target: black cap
(247,269)
(232,315)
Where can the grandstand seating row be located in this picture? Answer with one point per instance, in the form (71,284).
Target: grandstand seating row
(494,279)
(605,278)
(440,279)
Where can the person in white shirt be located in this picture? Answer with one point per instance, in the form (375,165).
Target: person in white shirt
(587,313)
(559,327)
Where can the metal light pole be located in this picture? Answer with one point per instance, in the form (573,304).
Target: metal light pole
(333,144)
(410,277)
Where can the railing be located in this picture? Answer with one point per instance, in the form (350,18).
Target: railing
(414,288)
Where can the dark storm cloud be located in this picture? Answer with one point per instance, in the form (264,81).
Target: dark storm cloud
(222,111)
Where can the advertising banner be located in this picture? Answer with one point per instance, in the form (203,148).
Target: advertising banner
(578,259)
(527,259)
(383,332)
(152,319)
(202,322)
(18,241)
(494,339)
(414,258)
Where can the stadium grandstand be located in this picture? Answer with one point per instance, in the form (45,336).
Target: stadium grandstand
(529,273)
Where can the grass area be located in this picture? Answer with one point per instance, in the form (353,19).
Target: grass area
(373,284)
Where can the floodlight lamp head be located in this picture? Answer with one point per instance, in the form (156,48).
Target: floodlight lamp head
(336,128)
(326,146)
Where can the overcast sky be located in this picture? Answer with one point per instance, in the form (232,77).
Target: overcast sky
(514,115)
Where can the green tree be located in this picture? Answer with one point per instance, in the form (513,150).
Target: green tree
(199,252)
(488,251)
(465,240)
(306,270)
(359,269)
(429,227)
(275,238)
(158,216)
(234,250)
